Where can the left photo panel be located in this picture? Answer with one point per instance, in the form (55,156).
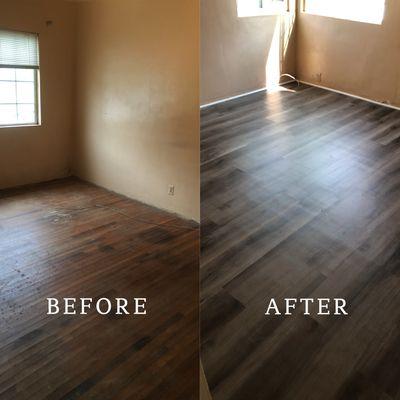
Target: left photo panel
(99,199)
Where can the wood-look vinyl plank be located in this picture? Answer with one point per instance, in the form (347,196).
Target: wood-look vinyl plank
(300,198)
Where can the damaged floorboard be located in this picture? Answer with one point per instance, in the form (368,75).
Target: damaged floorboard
(71,239)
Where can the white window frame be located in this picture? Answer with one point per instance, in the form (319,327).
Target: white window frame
(36,83)
(376,20)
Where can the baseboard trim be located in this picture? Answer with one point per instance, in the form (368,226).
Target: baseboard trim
(232,98)
(350,95)
(203,106)
(264,89)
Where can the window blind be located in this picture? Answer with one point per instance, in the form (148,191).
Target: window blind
(19,49)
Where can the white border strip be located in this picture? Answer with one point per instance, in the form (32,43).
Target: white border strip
(264,89)
(233,98)
(306,83)
(351,95)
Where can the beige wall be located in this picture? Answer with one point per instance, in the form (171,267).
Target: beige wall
(130,104)
(33,154)
(239,55)
(138,108)
(358,58)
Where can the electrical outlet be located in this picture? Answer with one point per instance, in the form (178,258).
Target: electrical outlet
(319,77)
(171,190)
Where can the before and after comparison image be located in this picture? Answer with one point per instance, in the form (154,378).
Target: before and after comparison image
(199,200)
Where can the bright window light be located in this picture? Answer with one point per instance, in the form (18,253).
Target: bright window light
(19,78)
(368,11)
(253,8)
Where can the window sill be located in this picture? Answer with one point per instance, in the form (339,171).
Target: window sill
(20,126)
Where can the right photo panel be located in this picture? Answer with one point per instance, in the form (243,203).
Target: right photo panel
(300,199)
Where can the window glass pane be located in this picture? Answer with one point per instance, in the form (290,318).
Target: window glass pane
(18,97)
(25,75)
(7,92)
(371,11)
(7,74)
(25,92)
(8,114)
(26,113)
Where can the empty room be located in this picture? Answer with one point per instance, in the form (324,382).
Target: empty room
(300,199)
(99,199)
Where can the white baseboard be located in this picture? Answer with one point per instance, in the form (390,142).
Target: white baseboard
(232,98)
(239,96)
(350,95)
(306,83)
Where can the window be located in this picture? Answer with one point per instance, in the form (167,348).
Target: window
(369,11)
(19,78)
(252,8)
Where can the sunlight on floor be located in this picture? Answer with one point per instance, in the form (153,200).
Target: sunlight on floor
(275,65)
(278,88)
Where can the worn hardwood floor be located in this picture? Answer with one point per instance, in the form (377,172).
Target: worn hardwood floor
(71,239)
(300,198)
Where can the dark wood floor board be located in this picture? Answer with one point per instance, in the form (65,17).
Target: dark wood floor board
(235,230)
(71,239)
(300,198)
(145,375)
(368,337)
(224,355)
(315,125)
(172,295)
(79,286)
(229,263)
(223,109)
(260,112)
(138,233)
(283,339)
